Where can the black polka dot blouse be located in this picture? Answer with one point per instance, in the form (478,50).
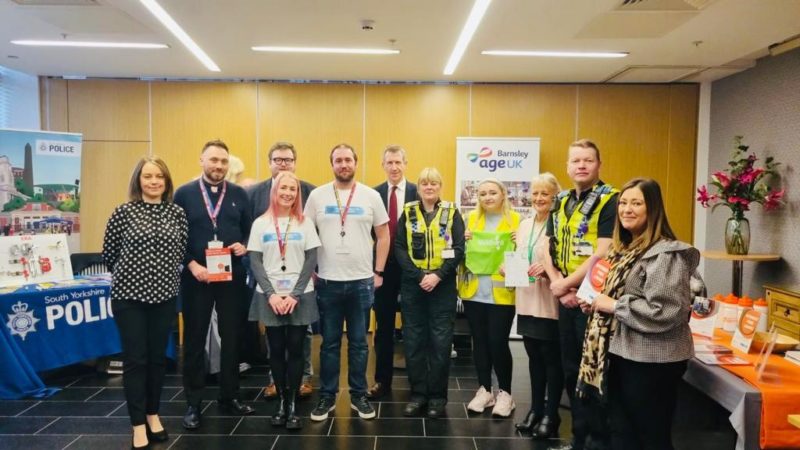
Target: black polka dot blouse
(143,247)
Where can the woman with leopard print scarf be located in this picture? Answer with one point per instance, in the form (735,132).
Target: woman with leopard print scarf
(638,339)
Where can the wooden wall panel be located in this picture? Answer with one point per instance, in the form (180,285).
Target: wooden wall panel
(53,101)
(314,118)
(680,185)
(425,120)
(544,111)
(109,110)
(105,173)
(186,115)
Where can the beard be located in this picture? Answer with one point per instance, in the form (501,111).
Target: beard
(344,177)
(214,176)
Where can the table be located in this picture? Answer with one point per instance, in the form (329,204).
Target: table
(735,395)
(738,264)
(50,325)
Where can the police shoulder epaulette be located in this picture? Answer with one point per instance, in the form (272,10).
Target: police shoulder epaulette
(604,189)
(562,194)
(446,205)
(411,204)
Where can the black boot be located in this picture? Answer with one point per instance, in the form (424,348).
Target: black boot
(547,428)
(279,418)
(292,421)
(530,422)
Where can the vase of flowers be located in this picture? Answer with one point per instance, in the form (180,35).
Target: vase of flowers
(737,187)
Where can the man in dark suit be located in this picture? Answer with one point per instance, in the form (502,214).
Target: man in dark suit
(395,192)
(282,157)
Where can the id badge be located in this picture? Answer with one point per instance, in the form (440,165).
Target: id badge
(583,248)
(448,253)
(341,249)
(218,263)
(284,285)
(214,244)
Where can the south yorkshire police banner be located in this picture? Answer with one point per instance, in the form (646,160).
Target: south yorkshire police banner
(40,183)
(513,161)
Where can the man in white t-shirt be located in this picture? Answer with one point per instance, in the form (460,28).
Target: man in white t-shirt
(345,213)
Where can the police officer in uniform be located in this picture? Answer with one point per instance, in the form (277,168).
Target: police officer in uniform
(580,226)
(429,246)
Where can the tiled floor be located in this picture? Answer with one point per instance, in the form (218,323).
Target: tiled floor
(90,413)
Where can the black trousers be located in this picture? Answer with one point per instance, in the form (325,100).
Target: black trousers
(386,307)
(144,332)
(589,417)
(642,400)
(286,355)
(547,375)
(198,301)
(490,326)
(428,322)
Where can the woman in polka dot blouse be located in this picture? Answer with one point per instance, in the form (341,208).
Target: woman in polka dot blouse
(144,244)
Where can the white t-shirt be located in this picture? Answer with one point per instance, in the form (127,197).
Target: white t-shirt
(345,258)
(301,237)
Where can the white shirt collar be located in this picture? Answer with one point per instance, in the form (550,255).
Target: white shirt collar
(401,186)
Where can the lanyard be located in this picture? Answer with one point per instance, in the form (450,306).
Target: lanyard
(207,200)
(343,214)
(532,240)
(282,243)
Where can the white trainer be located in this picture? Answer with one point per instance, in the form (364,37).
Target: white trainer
(482,400)
(505,404)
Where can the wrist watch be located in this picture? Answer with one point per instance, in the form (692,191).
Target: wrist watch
(378,273)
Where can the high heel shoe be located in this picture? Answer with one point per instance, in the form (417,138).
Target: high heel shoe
(292,421)
(530,422)
(156,436)
(547,428)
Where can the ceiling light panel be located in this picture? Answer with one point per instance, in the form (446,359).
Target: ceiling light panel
(90,44)
(329,50)
(165,19)
(554,54)
(471,25)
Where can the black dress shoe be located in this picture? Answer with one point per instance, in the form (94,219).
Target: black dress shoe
(378,390)
(435,410)
(547,428)
(161,436)
(413,409)
(235,407)
(191,420)
(529,423)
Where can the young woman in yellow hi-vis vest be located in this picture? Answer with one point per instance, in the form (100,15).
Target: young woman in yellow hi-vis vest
(488,304)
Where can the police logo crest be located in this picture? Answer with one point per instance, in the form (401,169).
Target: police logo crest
(22,321)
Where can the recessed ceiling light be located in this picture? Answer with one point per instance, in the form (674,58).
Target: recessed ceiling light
(548,54)
(334,50)
(474,19)
(156,10)
(39,43)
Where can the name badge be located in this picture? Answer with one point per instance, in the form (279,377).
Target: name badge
(448,253)
(218,263)
(284,285)
(341,249)
(582,248)
(214,244)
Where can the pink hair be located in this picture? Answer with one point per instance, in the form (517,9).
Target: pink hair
(296,209)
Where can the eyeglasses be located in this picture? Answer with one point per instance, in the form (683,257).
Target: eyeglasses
(283,160)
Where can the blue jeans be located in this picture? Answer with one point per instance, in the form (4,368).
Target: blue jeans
(341,301)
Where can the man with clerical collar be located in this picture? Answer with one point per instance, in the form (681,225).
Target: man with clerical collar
(282,157)
(580,226)
(346,213)
(219,219)
(395,192)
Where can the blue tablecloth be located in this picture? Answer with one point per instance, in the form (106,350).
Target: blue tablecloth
(51,325)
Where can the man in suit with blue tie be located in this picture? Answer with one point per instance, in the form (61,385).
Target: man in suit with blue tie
(395,192)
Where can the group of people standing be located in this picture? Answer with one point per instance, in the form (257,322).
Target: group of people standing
(330,254)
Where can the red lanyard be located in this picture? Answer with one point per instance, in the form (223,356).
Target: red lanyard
(282,243)
(207,200)
(343,214)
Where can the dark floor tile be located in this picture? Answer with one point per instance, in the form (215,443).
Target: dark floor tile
(99,425)
(14,407)
(387,410)
(355,426)
(516,444)
(74,409)
(324,443)
(471,428)
(99,380)
(110,442)
(422,443)
(35,442)
(707,440)
(257,381)
(462,371)
(23,425)
(190,442)
(77,394)
(166,409)
(118,393)
(261,425)
(262,409)
(209,425)
(212,393)
(468,383)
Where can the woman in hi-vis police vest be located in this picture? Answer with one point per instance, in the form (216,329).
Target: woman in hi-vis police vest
(488,304)
(428,247)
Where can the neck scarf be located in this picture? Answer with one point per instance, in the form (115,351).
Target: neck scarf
(592,375)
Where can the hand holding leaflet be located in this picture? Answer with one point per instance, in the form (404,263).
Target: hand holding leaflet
(594,281)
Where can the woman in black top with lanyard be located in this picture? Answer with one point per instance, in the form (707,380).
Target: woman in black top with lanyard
(144,244)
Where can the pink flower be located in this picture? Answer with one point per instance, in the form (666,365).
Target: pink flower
(733,200)
(750,175)
(703,196)
(723,179)
(773,199)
